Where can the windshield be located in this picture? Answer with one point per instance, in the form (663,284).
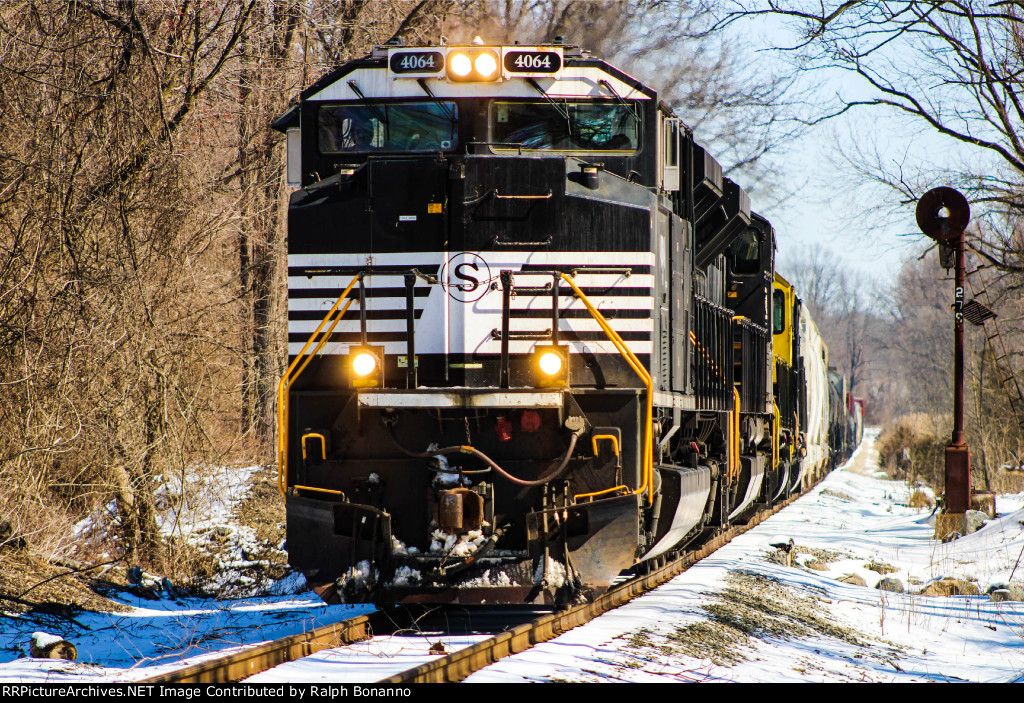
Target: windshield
(563,125)
(420,126)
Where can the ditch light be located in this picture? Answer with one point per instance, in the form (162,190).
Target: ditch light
(366,365)
(552,365)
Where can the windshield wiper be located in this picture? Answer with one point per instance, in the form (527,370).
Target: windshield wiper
(564,112)
(373,107)
(450,114)
(629,106)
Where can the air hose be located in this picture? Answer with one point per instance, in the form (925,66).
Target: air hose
(473,451)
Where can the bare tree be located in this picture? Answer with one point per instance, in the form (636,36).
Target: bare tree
(141,239)
(841,302)
(951,68)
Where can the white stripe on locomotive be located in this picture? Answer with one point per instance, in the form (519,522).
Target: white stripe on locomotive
(469,324)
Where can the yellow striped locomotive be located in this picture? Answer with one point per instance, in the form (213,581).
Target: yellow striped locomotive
(536,340)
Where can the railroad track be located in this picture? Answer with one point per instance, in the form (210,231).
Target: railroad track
(457,665)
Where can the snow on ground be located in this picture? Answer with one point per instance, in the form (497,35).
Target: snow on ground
(740,615)
(365,662)
(154,636)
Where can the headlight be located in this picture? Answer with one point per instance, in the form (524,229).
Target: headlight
(460,65)
(551,366)
(366,366)
(364,363)
(465,65)
(485,65)
(550,363)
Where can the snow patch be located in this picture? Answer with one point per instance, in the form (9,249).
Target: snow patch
(406,576)
(291,584)
(398,548)
(442,542)
(555,573)
(41,640)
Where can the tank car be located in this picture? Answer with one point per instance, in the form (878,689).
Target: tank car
(528,332)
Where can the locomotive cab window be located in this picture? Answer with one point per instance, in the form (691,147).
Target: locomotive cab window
(565,126)
(670,155)
(393,127)
(745,254)
(778,312)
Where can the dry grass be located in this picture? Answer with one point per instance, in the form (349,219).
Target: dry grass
(752,606)
(822,557)
(1007,482)
(31,584)
(837,494)
(920,499)
(32,579)
(881,567)
(911,451)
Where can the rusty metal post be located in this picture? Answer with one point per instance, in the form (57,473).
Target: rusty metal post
(958,456)
(943,214)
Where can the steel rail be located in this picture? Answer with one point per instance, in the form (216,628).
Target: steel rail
(250,661)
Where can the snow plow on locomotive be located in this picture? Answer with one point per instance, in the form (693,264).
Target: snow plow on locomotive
(534,334)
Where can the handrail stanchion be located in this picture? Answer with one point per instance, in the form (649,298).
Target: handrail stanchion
(294,370)
(634,363)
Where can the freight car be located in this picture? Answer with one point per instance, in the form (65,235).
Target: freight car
(535,337)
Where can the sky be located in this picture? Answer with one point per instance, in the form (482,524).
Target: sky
(833,209)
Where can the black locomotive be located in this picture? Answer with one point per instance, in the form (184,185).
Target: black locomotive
(536,340)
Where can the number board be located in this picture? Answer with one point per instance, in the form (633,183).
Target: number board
(533,62)
(416,64)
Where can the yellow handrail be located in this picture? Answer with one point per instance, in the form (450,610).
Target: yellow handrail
(323,444)
(322,490)
(600,493)
(613,438)
(289,377)
(638,368)
(776,436)
(734,440)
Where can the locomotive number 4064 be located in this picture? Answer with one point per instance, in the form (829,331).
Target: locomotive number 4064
(417,62)
(532,62)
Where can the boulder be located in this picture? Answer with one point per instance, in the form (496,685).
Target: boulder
(950,587)
(1001,592)
(855,579)
(891,584)
(975,520)
(47,646)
